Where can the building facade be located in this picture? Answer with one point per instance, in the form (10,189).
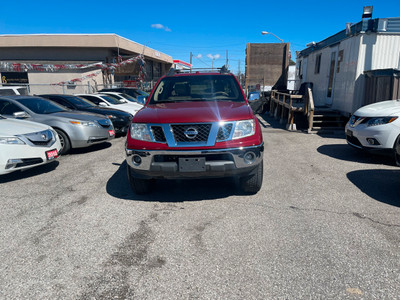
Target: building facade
(75,63)
(337,66)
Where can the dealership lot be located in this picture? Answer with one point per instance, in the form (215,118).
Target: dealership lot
(324,225)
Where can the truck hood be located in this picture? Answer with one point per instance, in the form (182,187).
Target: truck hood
(194,112)
(380,109)
(10,127)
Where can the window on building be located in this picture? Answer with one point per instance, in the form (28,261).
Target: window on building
(340,59)
(300,70)
(317,64)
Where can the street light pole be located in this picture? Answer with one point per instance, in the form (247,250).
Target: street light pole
(266,32)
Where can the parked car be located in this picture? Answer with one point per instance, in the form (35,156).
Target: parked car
(13,90)
(111,102)
(126,98)
(195,125)
(75,129)
(134,92)
(376,127)
(25,144)
(120,119)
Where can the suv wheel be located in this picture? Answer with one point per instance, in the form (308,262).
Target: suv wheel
(251,184)
(397,151)
(139,186)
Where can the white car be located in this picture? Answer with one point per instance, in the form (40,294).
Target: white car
(13,90)
(376,127)
(25,144)
(112,102)
(124,97)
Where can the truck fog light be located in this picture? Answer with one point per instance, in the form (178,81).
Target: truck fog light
(249,157)
(372,141)
(137,160)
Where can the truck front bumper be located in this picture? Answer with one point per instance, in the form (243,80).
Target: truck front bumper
(194,163)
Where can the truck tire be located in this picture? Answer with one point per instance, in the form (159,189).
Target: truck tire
(139,186)
(65,143)
(251,184)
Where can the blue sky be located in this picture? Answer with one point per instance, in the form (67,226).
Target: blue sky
(205,28)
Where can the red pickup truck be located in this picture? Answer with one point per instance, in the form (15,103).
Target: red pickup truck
(195,125)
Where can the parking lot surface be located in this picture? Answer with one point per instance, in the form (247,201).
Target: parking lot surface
(325,225)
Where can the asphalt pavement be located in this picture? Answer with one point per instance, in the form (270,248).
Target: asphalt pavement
(325,225)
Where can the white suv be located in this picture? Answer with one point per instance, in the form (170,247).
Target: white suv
(376,127)
(13,90)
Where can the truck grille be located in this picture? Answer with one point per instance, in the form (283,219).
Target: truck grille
(224,132)
(191,132)
(158,134)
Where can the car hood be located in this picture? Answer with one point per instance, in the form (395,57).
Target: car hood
(193,112)
(104,110)
(130,105)
(380,109)
(77,115)
(10,127)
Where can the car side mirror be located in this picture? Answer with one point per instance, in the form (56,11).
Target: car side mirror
(21,115)
(141,99)
(102,104)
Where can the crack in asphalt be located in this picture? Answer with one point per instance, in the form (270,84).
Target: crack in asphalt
(356,214)
(132,254)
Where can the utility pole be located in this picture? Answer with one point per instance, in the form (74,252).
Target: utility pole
(191,55)
(227,60)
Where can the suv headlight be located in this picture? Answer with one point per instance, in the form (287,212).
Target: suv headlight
(380,121)
(83,123)
(140,132)
(243,129)
(11,141)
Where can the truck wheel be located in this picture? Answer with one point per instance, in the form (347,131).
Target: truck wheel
(397,151)
(139,186)
(252,183)
(64,140)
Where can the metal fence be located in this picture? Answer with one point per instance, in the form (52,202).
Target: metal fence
(88,88)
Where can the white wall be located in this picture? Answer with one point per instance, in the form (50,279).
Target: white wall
(41,83)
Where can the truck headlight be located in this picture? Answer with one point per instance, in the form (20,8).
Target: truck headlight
(140,132)
(11,141)
(243,129)
(380,121)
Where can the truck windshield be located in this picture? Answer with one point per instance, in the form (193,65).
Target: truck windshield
(197,88)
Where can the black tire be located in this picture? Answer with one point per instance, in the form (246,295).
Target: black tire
(65,143)
(251,184)
(397,151)
(139,186)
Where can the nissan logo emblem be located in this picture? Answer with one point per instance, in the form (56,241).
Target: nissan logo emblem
(191,133)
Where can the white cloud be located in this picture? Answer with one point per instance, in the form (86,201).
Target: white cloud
(216,56)
(161,26)
(199,55)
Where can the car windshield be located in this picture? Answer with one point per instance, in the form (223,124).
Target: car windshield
(40,105)
(111,99)
(129,97)
(141,93)
(197,88)
(78,101)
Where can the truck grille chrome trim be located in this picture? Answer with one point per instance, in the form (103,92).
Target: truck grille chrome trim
(191,134)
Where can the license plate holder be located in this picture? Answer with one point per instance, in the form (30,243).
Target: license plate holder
(192,164)
(51,154)
(349,132)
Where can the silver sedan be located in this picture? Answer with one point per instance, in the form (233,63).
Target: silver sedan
(75,129)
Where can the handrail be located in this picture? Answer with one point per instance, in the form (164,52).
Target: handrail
(309,109)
